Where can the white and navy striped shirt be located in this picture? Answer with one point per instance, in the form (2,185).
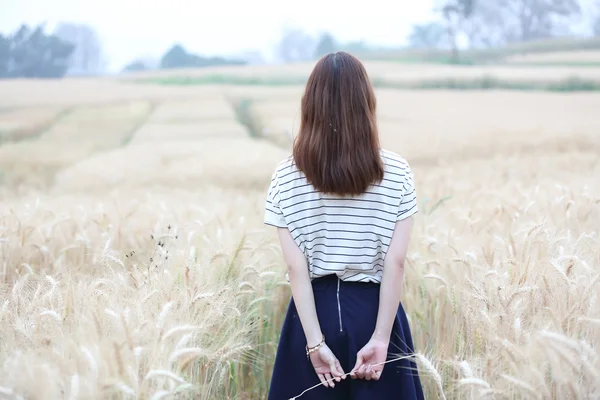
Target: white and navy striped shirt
(344,236)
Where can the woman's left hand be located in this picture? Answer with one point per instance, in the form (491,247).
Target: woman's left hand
(327,366)
(370,360)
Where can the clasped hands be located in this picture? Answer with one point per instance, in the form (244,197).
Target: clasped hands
(369,363)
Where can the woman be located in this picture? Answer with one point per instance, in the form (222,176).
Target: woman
(343,209)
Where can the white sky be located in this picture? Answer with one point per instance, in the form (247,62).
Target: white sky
(132,28)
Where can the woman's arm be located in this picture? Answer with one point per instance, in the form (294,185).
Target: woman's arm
(325,363)
(301,287)
(392,281)
(376,350)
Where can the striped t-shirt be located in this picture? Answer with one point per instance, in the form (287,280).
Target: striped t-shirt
(347,236)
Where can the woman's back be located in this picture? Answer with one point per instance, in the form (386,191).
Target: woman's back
(343,209)
(343,235)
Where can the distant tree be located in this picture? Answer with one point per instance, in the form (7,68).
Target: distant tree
(4,55)
(596,19)
(428,36)
(484,27)
(137,65)
(30,53)
(325,46)
(357,47)
(178,57)
(534,19)
(455,13)
(87,57)
(296,45)
(491,23)
(499,22)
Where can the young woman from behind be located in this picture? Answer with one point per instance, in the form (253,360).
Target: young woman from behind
(343,209)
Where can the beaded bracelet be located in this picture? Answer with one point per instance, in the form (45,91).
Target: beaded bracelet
(314,348)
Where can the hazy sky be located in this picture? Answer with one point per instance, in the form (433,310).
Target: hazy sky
(132,28)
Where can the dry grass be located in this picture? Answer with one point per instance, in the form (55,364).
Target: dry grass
(412,73)
(501,285)
(580,56)
(25,93)
(78,134)
(91,91)
(391,72)
(229,162)
(279,120)
(100,308)
(189,131)
(451,125)
(214,107)
(446,125)
(507,272)
(502,273)
(22,123)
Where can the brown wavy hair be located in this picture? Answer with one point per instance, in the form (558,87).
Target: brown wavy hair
(337,146)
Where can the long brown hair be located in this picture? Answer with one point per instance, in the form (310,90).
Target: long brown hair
(337,146)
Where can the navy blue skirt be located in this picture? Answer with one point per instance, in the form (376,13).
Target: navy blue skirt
(347,328)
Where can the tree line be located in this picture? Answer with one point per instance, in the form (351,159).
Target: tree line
(484,24)
(75,49)
(495,23)
(72,49)
(178,57)
(297,45)
(30,53)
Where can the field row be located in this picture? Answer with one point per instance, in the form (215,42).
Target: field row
(589,57)
(388,71)
(447,125)
(192,134)
(59,138)
(54,123)
(181,82)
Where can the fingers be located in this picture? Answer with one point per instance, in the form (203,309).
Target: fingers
(340,369)
(360,372)
(375,375)
(336,370)
(329,380)
(323,380)
(372,374)
(368,372)
(359,362)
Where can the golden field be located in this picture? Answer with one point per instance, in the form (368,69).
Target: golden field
(134,262)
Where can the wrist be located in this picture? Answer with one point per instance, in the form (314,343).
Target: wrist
(381,337)
(314,338)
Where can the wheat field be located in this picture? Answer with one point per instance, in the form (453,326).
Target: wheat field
(134,263)
(580,56)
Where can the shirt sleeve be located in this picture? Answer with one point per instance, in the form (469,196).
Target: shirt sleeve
(408,200)
(273,213)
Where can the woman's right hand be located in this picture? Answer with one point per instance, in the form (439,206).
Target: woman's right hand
(327,366)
